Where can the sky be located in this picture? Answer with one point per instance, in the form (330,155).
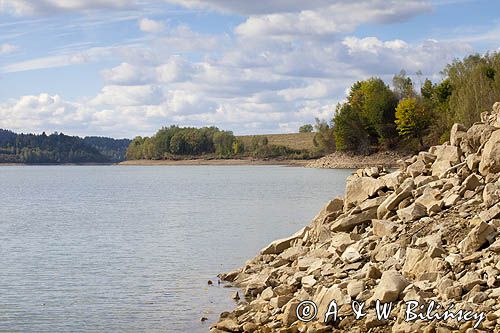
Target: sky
(123,68)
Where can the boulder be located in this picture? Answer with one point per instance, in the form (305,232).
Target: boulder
(280,245)
(457,134)
(351,254)
(355,287)
(431,200)
(383,228)
(471,182)
(426,157)
(477,237)
(348,223)
(228,325)
(391,284)
(439,167)
(491,213)
(395,198)
(394,179)
(490,158)
(477,135)
(339,242)
(290,313)
(491,194)
(416,169)
(446,153)
(279,301)
(324,295)
(359,189)
(412,212)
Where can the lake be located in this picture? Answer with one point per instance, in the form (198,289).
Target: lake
(130,249)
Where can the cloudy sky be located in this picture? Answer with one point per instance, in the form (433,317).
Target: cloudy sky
(123,68)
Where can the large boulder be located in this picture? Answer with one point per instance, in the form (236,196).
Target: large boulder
(490,158)
(348,223)
(446,153)
(392,201)
(391,284)
(412,212)
(280,245)
(457,134)
(477,237)
(477,135)
(359,189)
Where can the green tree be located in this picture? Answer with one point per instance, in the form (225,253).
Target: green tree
(348,131)
(412,119)
(307,128)
(374,102)
(324,139)
(223,142)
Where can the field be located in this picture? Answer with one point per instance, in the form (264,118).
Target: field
(294,140)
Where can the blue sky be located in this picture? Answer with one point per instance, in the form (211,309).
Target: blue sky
(123,68)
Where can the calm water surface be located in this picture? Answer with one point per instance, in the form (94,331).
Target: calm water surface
(130,249)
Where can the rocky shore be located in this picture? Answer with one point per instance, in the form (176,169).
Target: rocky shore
(340,160)
(426,232)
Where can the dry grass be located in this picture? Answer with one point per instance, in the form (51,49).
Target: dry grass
(294,140)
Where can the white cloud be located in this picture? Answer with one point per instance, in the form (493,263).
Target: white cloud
(7,48)
(331,18)
(152,26)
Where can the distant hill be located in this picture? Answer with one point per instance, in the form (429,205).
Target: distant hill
(293,140)
(114,149)
(59,148)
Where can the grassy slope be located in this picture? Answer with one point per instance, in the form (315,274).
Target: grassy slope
(294,140)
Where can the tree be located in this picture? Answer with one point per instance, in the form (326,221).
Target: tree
(374,103)
(348,131)
(323,138)
(412,120)
(403,85)
(223,142)
(307,128)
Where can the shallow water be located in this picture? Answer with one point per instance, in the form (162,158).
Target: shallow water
(130,249)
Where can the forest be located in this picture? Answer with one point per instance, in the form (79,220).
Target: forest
(59,148)
(176,142)
(411,115)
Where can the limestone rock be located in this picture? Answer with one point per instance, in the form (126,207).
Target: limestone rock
(477,237)
(490,158)
(491,194)
(457,134)
(412,212)
(477,135)
(359,189)
(289,313)
(446,153)
(349,222)
(280,245)
(391,284)
(416,169)
(228,325)
(395,198)
(383,228)
(491,213)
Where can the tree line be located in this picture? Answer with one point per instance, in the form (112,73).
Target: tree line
(59,148)
(377,117)
(175,142)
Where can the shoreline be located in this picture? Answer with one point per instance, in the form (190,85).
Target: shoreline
(220,162)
